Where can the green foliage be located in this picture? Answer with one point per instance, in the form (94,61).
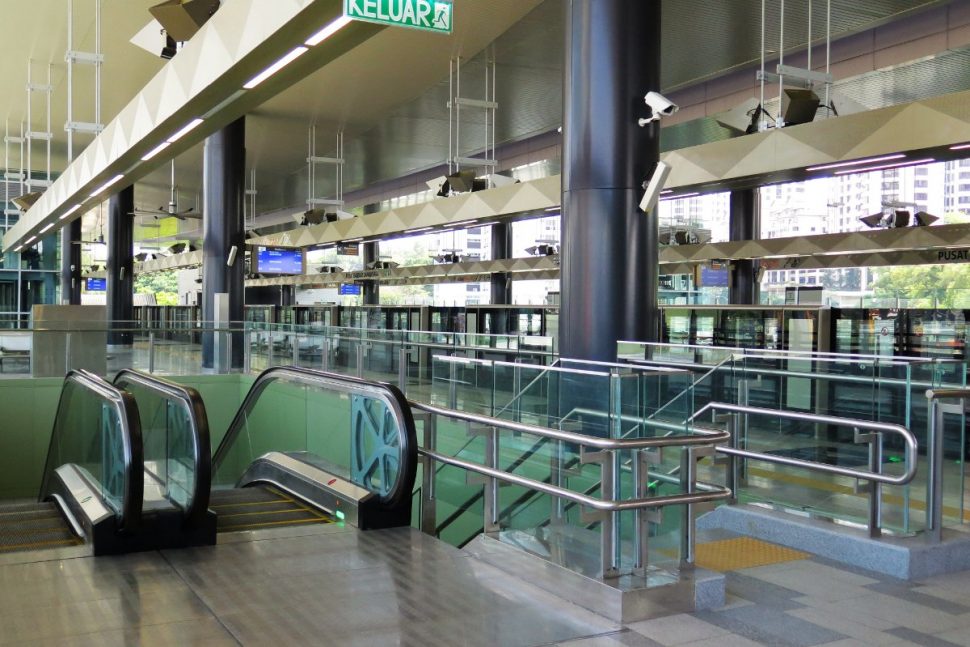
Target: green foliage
(926,286)
(164,285)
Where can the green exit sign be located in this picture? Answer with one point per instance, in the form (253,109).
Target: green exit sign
(430,15)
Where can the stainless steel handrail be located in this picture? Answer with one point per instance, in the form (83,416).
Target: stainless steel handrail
(911,447)
(704,436)
(797,354)
(712,493)
(199,421)
(131,443)
(935,440)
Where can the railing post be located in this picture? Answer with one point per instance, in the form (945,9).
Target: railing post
(688,483)
(296,348)
(67,352)
(609,535)
(875,488)
(404,358)
(151,351)
(492,503)
(247,350)
(453,385)
(733,476)
(360,358)
(641,529)
(326,351)
(934,479)
(517,391)
(271,348)
(429,516)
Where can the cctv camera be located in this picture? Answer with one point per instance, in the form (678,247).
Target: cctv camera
(661,107)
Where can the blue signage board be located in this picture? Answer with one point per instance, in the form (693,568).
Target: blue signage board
(96,285)
(279,260)
(347,290)
(711,278)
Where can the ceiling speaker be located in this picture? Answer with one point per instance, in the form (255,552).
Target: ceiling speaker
(182,18)
(799,106)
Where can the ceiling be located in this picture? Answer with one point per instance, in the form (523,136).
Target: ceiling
(400,124)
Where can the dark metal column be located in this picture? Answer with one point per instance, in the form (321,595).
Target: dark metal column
(224,178)
(610,248)
(71,264)
(501,248)
(745,224)
(371,253)
(121,279)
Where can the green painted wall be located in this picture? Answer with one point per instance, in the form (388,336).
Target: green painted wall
(27,410)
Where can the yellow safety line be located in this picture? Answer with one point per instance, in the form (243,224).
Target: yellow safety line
(276,523)
(33,544)
(233,505)
(250,514)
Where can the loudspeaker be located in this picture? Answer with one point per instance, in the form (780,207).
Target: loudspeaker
(799,106)
(182,18)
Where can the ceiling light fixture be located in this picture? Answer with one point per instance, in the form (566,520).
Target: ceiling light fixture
(104,187)
(354,240)
(871,160)
(70,211)
(679,197)
(47,228)
(414,231)
(275,67)
(959,147)
(182,133)
(155,151)
(928,160)
(553,208)
(328,31)
(30,240)
(464,222)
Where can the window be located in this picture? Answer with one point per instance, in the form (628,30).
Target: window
(921,196)
(921,184)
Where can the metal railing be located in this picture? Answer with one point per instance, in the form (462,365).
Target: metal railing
(934,478)
(602,451)
(874,476)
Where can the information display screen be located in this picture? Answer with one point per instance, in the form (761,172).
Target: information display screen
(711,278)
(279,260)
(95,285)
(349,290)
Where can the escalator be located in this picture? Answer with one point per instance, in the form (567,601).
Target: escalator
(91,488)
(305,447)
(35,526)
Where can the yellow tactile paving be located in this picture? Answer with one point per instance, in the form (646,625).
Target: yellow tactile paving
(743,552)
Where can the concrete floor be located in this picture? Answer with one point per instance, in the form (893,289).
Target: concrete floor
(336,586)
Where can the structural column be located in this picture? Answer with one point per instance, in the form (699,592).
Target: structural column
(121,279)
(71,264)
(501,249)
(223,284)
(744,225)
(609,247)
(371,253)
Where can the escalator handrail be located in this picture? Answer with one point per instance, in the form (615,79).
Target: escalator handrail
(127,410)
(387,393)
(200,432)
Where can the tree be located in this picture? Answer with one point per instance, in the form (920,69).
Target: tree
(164,285)
(926,286)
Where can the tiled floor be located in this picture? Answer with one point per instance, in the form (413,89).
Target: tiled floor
(330,585)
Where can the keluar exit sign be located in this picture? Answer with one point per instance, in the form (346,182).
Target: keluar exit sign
(430,15)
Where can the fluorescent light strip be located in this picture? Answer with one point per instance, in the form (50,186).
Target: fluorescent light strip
(104,187)
(679,197)
(192,125)
(47,228)
(959,147)
(666,192)
(871,160)
(415,231)
(328,31)
(463,223)
(155,151)
(553,208)
(70,211)
(275,67)
(353,240)
(19,247)
(30,240)
(928,160)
